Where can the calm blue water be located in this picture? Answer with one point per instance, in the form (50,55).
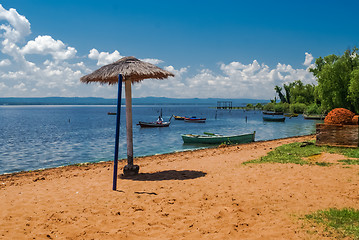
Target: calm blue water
(35,137)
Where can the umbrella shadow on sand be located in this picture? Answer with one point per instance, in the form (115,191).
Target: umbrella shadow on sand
(166,175)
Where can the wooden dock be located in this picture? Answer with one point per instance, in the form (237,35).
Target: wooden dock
(224,105)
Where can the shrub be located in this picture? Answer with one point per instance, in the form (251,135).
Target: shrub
(298,107)
(249,106)
(258,106)
(281,107)
(314,109)
(269,107)
(355,119)
(339,116)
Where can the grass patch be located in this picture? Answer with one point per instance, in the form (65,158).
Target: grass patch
(289,153)
(341,223)
(323,164)
(350,161)
(295,152)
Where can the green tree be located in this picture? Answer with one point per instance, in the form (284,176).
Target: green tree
(296,92)
(249,106)
(269,106)
(280,94)
(258,106)
(338,80)
(287,92)
(297,107)
(354,89)
(300,93)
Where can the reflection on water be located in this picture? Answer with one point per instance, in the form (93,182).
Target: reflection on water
(34,137)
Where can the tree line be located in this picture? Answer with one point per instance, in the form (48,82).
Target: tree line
(338,87)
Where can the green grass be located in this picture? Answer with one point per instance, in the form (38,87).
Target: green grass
(350,161)
(288,153)
(323,164)
(348,152)
(340,223)
(295,152)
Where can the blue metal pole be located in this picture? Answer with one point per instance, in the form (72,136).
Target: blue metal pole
(117,142)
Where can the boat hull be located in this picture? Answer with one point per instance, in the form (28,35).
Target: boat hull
(179,118)
(272,113)
(274,119)
(291,115)
(215,139)
(195,120)
(314,117)
(153,124)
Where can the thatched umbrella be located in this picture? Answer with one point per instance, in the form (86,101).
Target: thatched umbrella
(129,70)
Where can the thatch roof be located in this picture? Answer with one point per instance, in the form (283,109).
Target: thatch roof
(131,69)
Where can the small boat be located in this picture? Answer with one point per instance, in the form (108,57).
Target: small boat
(314,116)
(154,124)
(291,115)
(195,119)
(272,113)
(211,138)
(158,123)
(178,117)
(273,118)
(111,113)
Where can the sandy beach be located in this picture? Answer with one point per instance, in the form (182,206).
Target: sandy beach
(203,194)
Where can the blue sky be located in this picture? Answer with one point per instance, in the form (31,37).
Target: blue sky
(234,49)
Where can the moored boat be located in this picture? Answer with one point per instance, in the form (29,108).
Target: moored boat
(272,113)
(111,113)
(178,117)
(210,138)
(158,123)
(291,115)
(154,124)
(314,116)
(273,118)
(195,119)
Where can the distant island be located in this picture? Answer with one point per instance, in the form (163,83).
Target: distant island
(135,101)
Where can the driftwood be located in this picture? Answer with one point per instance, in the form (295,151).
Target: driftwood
(337,135)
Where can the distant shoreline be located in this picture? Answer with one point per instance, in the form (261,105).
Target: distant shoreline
(135,101)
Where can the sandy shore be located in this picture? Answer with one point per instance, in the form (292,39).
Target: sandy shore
(204,194)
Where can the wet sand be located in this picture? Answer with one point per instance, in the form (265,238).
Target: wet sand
(203,194)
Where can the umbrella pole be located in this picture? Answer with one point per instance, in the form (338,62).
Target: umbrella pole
(118,119)
(129,169)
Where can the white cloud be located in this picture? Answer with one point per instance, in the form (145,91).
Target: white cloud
(5,62)
(152,60)
(177,73)
(18,27)
(236,80)
(20,87)
(44,45)
(104,58)
(308,59)
(20,77)
(2,86)
(14,75)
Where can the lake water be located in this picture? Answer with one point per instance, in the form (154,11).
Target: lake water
(36,137)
